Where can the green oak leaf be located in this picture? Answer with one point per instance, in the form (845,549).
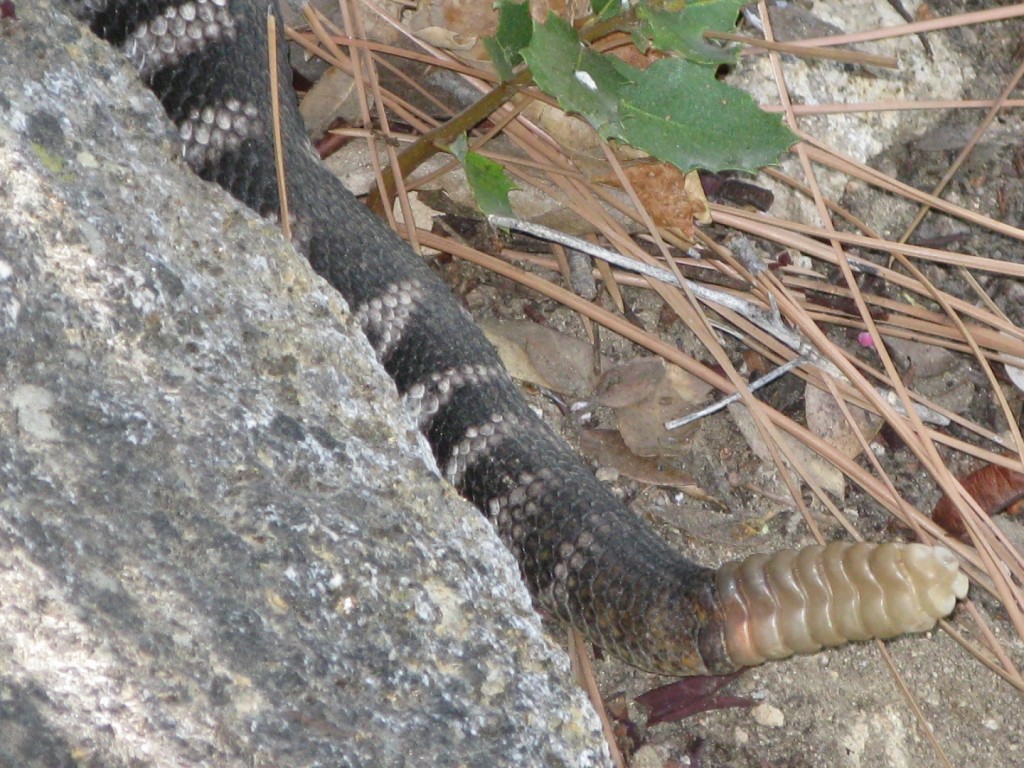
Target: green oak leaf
(515,27)
(487,179)
(583,81)
(681,31)
(678,112)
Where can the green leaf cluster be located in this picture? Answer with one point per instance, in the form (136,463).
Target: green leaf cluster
(676,110)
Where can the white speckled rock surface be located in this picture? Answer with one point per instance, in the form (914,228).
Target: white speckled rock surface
(859,135)
(219,542)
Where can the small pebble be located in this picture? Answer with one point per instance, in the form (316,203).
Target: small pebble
(650,756)
(768,716)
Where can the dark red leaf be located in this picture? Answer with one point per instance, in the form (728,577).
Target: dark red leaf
(688,697)
(996,489)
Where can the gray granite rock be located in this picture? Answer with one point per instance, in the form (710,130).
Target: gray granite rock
(220,541)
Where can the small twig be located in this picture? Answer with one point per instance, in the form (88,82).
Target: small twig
(584,673)
(764,320)
(931,25)
(439,138)
(432,142)
(612,257)
(753,386)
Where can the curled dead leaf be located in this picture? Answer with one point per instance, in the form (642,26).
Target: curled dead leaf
(646,393)
(996,489)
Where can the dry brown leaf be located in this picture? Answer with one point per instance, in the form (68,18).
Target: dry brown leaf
(673,199)
(936,373)
(996,489)
(638,380)
(543,356)
(447,39)
(629,383)
(462,20)
(646,393)
(823,472)
(625,51)
(826,420)
(514,356)
(927,360)
(571,133)
(606,448)
(333,96)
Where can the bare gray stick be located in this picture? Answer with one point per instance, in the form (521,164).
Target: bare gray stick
(756,384)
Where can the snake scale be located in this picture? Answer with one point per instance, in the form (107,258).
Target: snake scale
(585,558)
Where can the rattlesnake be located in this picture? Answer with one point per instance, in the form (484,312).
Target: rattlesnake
(584,556)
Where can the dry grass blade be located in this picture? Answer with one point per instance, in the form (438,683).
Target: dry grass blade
(584,673)
(800,49)
(282,189)
(894,106)
(904,30)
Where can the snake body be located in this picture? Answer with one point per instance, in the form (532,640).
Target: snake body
(585,558)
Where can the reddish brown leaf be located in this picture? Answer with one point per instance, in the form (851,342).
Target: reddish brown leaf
(673,198)
(688,697)
(996,489)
